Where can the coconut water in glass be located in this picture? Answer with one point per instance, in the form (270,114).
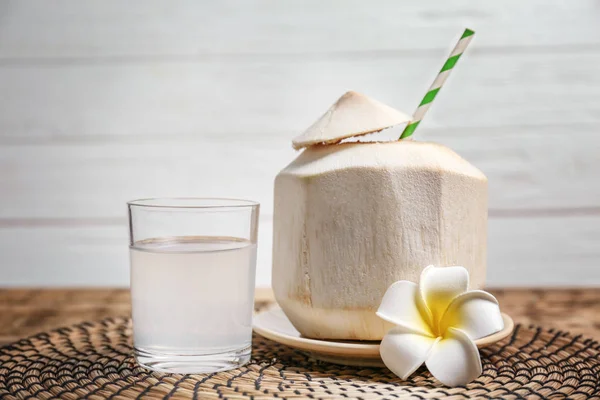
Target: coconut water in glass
(193,267)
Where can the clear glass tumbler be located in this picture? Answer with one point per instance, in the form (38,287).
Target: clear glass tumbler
(193,264)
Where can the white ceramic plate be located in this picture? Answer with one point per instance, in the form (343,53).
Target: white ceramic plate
(273,324)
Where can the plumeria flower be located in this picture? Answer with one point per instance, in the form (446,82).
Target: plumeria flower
(437,322)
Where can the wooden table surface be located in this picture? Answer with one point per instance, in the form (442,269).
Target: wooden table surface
(24,312)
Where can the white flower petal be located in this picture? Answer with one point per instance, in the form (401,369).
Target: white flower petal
(454,360)
(404,352)
(476,313)
(400,306)
(440,285)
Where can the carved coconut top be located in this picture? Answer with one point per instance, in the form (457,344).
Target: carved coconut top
(354,114)
(403,154)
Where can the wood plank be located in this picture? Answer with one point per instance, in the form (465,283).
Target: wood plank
(540,170)
(101,103)
(532,170)
(85,256)
(146,29)
(521,252)
(280,98)
(26,311)
(68,256)
(94,181)
(544,251)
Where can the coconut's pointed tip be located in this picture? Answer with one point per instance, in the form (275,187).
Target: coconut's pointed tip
(352,115)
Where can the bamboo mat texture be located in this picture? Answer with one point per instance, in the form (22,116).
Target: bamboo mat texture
(93,360)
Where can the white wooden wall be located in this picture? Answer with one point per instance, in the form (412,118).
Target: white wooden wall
(102,101)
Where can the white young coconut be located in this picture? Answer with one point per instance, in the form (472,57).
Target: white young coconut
(350,219)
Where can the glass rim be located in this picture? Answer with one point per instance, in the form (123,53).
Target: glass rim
(192,203)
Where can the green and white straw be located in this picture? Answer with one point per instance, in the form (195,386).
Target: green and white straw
(437,84)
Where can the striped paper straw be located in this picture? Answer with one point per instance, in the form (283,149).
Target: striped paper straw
(435,87)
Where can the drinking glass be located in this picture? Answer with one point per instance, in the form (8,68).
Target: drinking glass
(193,263)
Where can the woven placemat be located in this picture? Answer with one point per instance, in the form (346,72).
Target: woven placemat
(93,360)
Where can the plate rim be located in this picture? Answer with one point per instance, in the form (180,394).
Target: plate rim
(366,350)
